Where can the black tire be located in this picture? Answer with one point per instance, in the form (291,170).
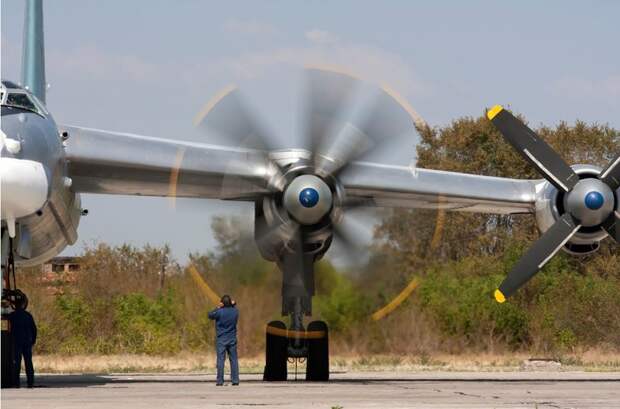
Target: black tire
(276,353)
(318,353)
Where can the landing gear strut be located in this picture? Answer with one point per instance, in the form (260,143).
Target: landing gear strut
(296,342)
(10,297)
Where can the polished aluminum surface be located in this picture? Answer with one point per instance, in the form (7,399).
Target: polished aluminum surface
(410,187)
(576,201)
(547,211)
(306,214)
(121,163)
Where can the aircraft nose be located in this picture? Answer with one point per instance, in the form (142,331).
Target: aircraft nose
(24,189)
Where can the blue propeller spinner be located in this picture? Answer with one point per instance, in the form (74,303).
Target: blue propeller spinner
(308,197)
(594,200)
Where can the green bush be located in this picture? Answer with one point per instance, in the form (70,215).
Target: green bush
(461,302)
(147,325)
(339,302)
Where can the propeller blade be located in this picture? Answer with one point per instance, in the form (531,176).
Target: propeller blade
(533,149)
(346,240)
(327,95)
(611,174)
(350,143)
(612,226)
(387,116)
(352,233)
(537,256)
(285,232)
(228,117)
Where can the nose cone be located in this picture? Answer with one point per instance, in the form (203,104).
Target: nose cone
(594,200)
(308,197)
(591,202)
(24,187)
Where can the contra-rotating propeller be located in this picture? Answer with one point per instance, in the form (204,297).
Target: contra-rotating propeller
(588,202)
(338,126)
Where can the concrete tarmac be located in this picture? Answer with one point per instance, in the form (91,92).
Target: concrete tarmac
(345,390)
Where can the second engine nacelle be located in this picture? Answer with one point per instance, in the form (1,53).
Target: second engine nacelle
(550,204)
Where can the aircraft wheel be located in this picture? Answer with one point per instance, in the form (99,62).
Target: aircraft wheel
(276,352)
(318,352)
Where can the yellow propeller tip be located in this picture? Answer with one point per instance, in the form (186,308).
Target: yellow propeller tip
(491,113)
(499,296)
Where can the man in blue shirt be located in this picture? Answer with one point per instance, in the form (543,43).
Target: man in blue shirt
(25,336)
(226,317)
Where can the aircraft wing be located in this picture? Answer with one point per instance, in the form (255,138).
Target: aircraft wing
(120,163)
(410,187)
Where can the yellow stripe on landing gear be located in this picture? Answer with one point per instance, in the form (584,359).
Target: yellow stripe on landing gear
(491,113)
(499,296)
(286,333)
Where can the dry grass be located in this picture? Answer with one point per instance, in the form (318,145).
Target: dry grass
(592,360)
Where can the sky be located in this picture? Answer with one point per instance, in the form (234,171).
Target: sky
(147,67)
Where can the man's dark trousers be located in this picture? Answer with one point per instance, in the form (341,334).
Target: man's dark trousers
(24,332)
(229,348)
(24,350)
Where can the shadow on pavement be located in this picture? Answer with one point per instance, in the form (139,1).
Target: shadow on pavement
(93,380)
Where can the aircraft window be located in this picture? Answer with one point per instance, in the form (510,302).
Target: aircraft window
(10,84)
(40,105)
(21,101)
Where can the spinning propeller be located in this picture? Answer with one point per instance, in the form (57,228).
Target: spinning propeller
(588,202)
(337,128)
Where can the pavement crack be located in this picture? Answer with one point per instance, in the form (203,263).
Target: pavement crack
(248,404)
(468,394)
(546,403)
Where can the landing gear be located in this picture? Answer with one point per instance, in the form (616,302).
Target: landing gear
(311,345)
(295,256)
(276,352)
(317,368)
(11,296)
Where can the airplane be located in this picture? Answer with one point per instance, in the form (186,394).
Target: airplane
(299,195)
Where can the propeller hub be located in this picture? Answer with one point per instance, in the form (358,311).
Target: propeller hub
(591,201)
(308,199)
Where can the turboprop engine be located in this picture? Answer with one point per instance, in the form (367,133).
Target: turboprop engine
(577,206)
(591,201)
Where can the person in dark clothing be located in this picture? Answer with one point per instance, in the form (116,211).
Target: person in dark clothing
(226,317)
(24,332)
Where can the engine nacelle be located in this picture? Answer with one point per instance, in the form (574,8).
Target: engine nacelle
(280,220)
(550,206)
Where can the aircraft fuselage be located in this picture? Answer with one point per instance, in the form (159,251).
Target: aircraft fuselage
(33,145)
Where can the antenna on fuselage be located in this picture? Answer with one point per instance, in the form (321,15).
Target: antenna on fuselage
(33,57)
